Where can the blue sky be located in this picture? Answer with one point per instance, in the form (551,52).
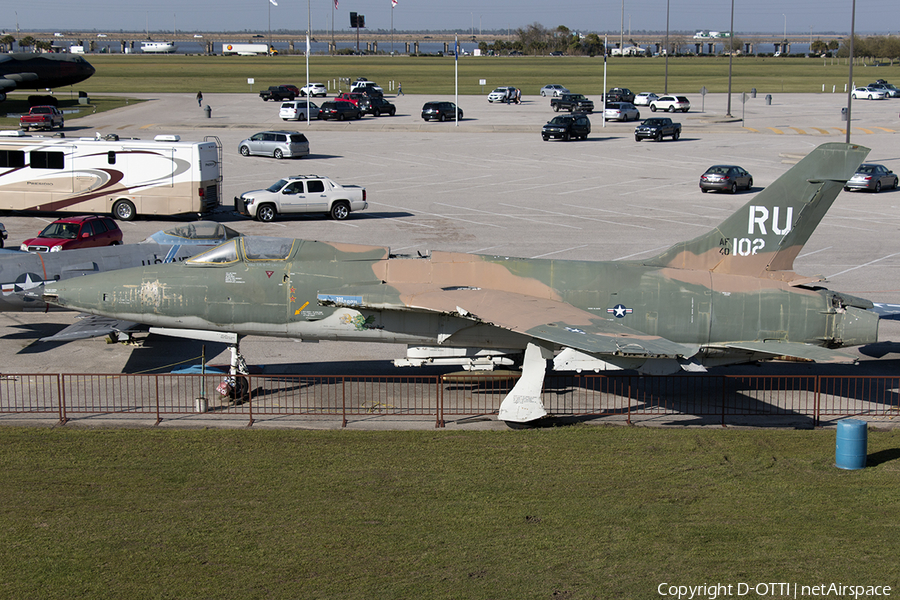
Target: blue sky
(765,16)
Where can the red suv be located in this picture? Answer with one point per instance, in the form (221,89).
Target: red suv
(75,232)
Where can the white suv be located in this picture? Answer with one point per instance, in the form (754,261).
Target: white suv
(670,104)
(314,89)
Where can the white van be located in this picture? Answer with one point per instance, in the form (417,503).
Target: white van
(295,110)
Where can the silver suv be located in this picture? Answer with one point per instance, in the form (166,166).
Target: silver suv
(280,144)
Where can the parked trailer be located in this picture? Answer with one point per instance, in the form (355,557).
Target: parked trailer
(247,49)
(123,177)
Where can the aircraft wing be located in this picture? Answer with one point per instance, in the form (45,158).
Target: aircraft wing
(543,319)
(818,354)
(7,84)
(90,326)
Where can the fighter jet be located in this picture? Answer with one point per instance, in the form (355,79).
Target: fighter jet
(30,71)
(727,296)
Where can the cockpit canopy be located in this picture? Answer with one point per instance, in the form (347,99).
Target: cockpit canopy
(246,249)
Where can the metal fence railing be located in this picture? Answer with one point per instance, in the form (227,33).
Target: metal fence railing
(712,397)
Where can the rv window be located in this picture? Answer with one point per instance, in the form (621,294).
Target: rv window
(46,160)
(12,158)
(111,157)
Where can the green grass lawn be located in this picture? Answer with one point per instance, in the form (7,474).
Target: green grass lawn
(577,512)
(435,75)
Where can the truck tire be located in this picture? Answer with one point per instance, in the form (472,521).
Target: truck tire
(676,135)
(339,211)
(124,210)
(266,213)
(556,108)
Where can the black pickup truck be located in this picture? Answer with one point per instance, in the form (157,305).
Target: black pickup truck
(277,92)
(572,103)
(656,129)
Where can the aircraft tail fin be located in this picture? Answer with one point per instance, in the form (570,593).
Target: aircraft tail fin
(768,232)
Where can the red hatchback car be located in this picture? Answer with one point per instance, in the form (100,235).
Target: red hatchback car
(75,232)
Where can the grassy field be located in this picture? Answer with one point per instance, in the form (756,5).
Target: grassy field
(575,513)
(435,75)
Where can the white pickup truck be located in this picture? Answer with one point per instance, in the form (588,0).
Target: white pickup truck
(302,194)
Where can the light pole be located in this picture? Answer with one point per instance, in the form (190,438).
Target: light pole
(730,58)
(850,84)
(666,85)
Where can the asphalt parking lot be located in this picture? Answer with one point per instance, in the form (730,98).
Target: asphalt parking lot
(491,185)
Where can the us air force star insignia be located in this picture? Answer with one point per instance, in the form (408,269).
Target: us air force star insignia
(619,311)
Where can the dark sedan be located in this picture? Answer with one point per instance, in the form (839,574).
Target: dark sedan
(870,176)
(340,110)
(725,178)
(441,111)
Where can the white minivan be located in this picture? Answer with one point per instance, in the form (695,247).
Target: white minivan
(295,110)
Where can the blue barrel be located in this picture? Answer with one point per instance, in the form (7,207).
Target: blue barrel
(850,448)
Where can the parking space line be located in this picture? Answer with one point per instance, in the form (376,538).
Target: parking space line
(776,130)
(507,216)
(798,130)
(822,131)
(886,129)
(752,129)
(864,130)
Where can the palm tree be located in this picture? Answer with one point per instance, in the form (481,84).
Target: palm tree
(7,41)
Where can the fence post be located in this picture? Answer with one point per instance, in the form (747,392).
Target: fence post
(818,399)
(343,401)
(249,397)
(61,392)
(156,391)
(722,403)
(439,400)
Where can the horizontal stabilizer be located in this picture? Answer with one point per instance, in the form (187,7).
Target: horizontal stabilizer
(795,350)
(887,311)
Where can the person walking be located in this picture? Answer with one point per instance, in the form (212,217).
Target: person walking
(399,89)
(200,99)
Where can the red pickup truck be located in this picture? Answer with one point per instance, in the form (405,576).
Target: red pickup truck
(42,117)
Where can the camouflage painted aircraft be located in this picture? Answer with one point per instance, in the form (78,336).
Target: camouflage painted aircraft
(727,296)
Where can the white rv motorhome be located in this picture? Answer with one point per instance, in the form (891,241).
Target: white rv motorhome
(125,178)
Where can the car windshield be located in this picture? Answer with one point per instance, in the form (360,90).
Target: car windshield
(275,187)
(60,231)
(653,122)
(560,120)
